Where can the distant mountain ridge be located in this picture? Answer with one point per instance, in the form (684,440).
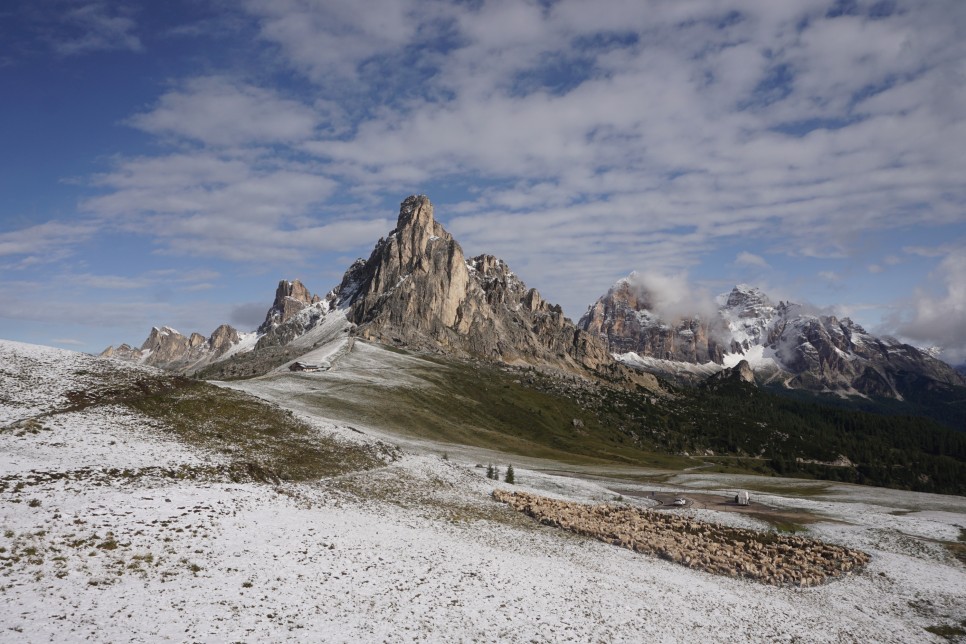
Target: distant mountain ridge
(783,342)
(167,348)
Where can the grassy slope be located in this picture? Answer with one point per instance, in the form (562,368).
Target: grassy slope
(524,412)
(485,406)
(251,431)
(260,440)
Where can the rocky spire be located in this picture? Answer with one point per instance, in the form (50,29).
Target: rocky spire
(290,298)
(418,289)
(417,275)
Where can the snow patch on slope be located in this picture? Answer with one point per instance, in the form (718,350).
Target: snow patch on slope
(648,363)
(759,357)
(430,556)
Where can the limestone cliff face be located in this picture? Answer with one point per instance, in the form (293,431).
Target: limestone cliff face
(418,289)
(624,317)
(222,339)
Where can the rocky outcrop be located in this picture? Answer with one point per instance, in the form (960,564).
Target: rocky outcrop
(418,289)
(768,558)
(222,339)
(626,320)
(804,349)
(167,348)
(739,374)
(291,297)
(124,352)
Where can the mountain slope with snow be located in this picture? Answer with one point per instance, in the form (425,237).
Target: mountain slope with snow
(412,547)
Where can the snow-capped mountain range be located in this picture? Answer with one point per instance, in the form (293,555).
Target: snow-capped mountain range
(418,290)
(786,342)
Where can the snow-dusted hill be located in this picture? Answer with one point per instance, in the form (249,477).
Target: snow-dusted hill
(116,523)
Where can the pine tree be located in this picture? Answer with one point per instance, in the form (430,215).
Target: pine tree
(489,471)
(509,474)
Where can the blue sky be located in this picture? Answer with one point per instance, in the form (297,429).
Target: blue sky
(168,163)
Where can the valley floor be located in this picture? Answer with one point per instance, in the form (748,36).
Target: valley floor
(103,540)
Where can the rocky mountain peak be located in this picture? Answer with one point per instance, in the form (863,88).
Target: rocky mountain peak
(814,351)
(626,319)
(740,373)
(748,301)
(416,212)
(222,339)
(290,298)
(166,347)
(418,289)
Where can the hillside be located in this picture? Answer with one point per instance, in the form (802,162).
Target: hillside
(155,507)
(531,413)
(492,364)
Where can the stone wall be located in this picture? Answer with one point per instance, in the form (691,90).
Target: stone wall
(762,556)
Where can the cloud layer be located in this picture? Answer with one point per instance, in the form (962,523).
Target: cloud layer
(578,140)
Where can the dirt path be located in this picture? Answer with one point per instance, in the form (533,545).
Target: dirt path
(784,519)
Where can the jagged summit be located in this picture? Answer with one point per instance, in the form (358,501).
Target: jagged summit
(787,341)
(626,319)
(290,298)
(167,348)
(416,212)
(747,300)
(417,288)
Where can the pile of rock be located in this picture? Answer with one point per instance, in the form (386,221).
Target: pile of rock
(762,556)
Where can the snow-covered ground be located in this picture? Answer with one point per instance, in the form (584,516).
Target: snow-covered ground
(416,550)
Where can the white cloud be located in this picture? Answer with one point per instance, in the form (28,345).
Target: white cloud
(673,128)
(95,26)
(673,296)
(939,318)
(190,280)
(242,208)
(68,342)
(331,39)
(43,242)
(217,111)
(744,258)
